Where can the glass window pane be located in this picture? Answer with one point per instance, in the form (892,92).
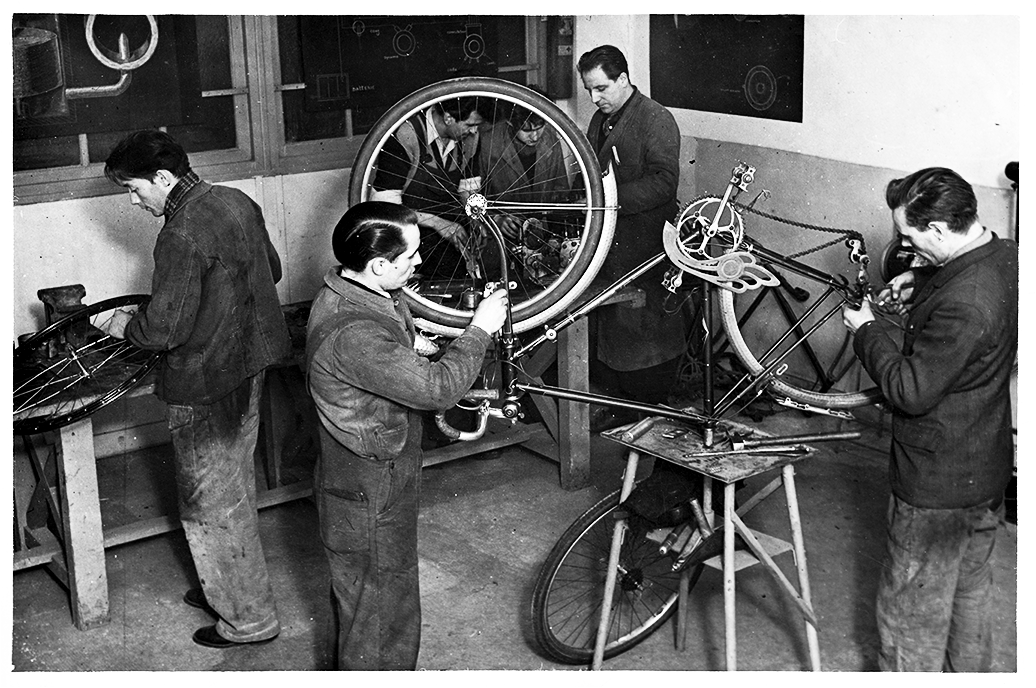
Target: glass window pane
(64,88)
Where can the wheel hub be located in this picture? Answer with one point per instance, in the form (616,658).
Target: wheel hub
(476,206)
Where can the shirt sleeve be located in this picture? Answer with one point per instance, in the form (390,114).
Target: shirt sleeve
(393,166)
(398,373)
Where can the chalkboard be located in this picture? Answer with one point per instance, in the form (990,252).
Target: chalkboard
(736,64)
(367,61)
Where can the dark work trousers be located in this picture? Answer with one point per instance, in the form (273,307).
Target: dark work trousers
(368,524)
(214,447)
(936,588)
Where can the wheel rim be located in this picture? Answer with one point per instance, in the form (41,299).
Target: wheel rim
(563,239)
(71,369)
(646,591)
(764,345)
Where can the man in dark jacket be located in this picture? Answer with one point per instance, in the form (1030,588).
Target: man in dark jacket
(369,383)
(952,454)
(214,310)
(639,138)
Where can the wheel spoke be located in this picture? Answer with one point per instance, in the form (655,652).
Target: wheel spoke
(72,368)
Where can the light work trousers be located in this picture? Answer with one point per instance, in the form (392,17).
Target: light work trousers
(214,447)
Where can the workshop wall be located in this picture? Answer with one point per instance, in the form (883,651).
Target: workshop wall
(883,96)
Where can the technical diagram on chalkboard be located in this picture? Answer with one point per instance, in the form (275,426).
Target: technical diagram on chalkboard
(367,61)
(739,64)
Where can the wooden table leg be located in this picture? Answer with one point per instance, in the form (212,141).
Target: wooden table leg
(574,417)
(628,480)
(81,514)
(800,561)
(730,623)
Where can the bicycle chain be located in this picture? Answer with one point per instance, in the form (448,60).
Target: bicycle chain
(842,233)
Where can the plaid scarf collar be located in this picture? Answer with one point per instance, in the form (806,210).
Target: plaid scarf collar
(175,198)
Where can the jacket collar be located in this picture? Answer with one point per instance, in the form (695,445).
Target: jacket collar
(621,121)
(360,295)
(180,194)
(966,260)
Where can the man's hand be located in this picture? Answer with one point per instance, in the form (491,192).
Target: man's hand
(115,326)
(490,314)
(509,225)
(895,295)
(855,318)
(452,232)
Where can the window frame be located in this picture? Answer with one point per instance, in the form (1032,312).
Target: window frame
(261,146)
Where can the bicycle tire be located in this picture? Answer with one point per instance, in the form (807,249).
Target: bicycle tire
(593,218)
(70,369)
(781,387)
(566,604)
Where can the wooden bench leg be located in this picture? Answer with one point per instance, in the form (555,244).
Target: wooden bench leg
(81,514)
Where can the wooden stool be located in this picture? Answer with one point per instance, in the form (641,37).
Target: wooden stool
(727,468)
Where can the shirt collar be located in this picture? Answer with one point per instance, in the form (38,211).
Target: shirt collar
(432,134)
(984,238)
(175,198)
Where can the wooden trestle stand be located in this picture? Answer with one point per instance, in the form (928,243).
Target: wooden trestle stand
(696,450)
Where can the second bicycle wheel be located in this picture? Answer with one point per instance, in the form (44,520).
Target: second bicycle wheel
(72,368)
(786,332)
(568,595)
(560,208)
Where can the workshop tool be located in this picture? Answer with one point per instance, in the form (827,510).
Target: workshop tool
(739,442)
(793,449)
(637,431)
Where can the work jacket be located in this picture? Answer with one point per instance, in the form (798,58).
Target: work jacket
(364,375)
(643,149)
(949,384)
(214,308)
(504,177)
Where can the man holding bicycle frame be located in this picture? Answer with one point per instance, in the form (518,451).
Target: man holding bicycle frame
(952,450)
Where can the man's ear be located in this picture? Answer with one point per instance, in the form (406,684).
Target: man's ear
(165,177)
(940,227)
(378,266)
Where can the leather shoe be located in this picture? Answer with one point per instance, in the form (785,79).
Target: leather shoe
(209,637)
(195,597)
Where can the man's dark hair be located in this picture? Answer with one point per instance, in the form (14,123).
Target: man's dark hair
(519,116)
(609,58)
(369,230)
(460,108)
(143,153)
(934,194)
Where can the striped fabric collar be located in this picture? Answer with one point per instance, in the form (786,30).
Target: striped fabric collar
(175,198)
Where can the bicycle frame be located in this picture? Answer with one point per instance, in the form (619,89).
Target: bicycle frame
(511,389)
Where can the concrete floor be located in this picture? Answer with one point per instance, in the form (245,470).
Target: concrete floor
(486,526)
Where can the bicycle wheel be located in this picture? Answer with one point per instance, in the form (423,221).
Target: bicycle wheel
(567,598)
(72,368)
(798,320)
(564,233)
